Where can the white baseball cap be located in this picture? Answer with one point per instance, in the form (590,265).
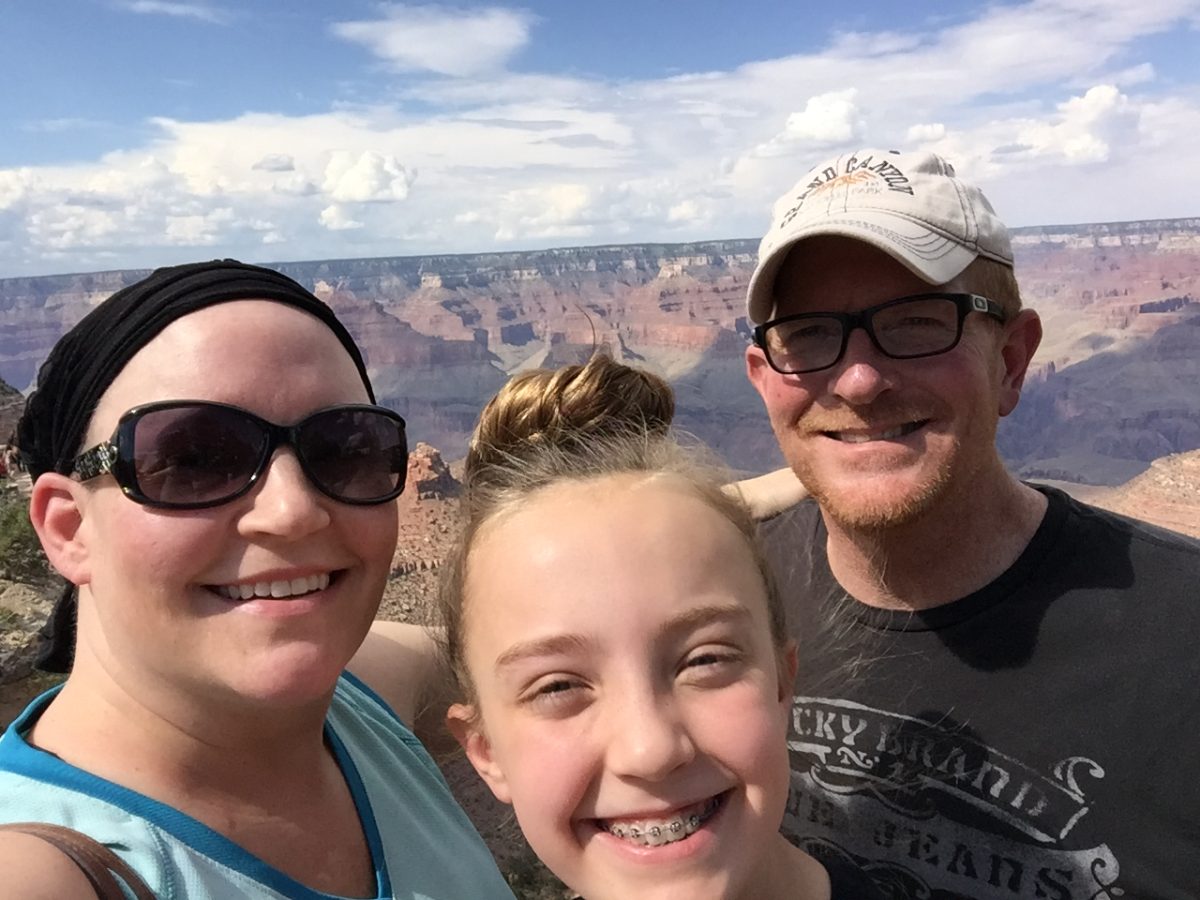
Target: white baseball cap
(909,205)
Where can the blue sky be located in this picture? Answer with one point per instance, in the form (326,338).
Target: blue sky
(146,132)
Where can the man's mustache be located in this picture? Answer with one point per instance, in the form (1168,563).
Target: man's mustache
(876,416)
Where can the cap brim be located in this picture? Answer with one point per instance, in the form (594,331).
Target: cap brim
(929,255)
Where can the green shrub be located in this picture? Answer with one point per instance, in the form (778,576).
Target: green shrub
(21,556)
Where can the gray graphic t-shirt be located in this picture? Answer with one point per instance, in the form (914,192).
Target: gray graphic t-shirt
(1032,740)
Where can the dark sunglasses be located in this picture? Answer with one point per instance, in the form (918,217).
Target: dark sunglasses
(189,454)
(906,328)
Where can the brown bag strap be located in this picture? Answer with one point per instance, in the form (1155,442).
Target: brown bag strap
(96,861)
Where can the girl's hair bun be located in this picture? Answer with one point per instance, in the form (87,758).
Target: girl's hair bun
(602,398)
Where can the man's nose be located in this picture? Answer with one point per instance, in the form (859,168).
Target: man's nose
(861,375)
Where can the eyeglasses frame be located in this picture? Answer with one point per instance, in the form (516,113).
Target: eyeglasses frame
(967,303)
(111,456)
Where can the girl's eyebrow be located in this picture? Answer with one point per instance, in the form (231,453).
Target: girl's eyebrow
(689,620)
(548,646)
(698,617)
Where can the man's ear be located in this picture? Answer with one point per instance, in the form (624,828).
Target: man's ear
(464,723)
(757,368)
(1022,336)
(56,509)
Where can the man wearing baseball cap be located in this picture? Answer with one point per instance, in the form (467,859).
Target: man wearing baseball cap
(998,692)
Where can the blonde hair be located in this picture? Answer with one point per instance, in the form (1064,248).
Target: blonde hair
(578,423)
(567,406)
(993,280)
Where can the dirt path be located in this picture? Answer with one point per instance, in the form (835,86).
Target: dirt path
(15,694)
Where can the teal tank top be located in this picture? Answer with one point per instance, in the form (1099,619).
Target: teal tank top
(422,845)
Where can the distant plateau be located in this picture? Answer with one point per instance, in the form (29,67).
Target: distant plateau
(1114,386)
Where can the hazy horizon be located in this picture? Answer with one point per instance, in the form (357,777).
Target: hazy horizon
(517,251)
(151,132)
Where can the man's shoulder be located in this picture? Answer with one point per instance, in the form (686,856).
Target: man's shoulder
(802,517)
(794,545)
(798,531)
(1101,529)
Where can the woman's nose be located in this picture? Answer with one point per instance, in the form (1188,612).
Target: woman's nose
(284,502)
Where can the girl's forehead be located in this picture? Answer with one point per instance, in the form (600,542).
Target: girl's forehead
(635,534)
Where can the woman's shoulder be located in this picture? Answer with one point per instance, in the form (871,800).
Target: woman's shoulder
(409,808)
(35,870)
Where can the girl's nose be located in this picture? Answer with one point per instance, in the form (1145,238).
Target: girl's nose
(648,741)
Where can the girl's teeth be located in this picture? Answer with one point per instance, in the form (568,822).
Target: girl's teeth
(275,589)
(656,832)
(657,835)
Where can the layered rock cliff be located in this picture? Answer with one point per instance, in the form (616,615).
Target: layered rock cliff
(1108,393)
(12,402)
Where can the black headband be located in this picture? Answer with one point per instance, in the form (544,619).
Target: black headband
(85,361)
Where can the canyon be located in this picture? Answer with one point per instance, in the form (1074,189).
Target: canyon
(1111,390)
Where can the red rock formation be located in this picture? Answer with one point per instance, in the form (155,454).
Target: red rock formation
(1167,494)
(440,333)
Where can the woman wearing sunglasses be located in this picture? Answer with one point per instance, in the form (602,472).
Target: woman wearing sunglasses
(212,477)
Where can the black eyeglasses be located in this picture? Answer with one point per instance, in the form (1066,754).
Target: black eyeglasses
(906,328)
(189,454)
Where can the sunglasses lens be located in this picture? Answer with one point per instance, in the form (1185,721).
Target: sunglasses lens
(354,454)
(195,455)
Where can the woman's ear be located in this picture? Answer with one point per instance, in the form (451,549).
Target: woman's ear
(56,510)
(463,721)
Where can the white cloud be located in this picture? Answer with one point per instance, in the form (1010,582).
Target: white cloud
(1159,129)
(690,211)
(826,120)
(202,12)
(70,227)
(369,177)
(335,218)
(446,40)
(925,133)
(275,162)
(1084,131)
(529,159)
(295,184)
(202,230)
(1133,76)
(552,211)
(14,185)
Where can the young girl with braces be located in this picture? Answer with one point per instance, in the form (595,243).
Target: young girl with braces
(622,653)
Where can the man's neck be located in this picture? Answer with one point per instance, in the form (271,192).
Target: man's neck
(951,551)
